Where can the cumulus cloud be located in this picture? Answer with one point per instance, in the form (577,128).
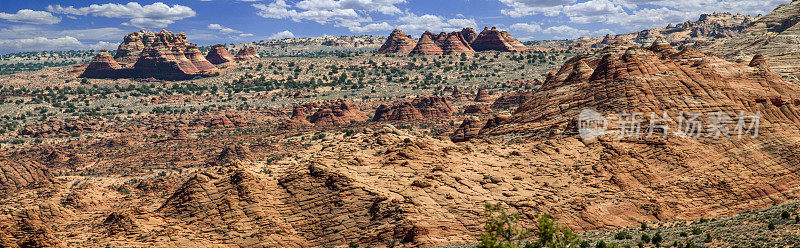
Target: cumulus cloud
(372,27)
(526,27)
(156,15)
(45,44)
(414,23)
(352,14)
(223,29)
(281,35)
(28,31)
(31,17)
(565,32)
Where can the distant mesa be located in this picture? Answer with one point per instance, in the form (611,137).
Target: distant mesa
(218,54)
(246,53)
(145,54)
(464,41)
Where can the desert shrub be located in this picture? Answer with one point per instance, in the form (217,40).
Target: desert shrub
(643,226)
(318,136)
(785,215)
(771,226)
(696,231)
(622,235)
(657,239)
(645,238)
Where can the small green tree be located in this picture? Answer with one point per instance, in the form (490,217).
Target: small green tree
(553,236)
(502,230)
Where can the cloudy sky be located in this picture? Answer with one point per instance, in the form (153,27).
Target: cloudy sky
(35,25)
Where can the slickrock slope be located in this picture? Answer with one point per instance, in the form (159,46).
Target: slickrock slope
(103,65)
(218,55)
(420,108)
(426,45)
(246,53)
(773,35)
(398,42)
(18,173)
(494,40)
(624,77)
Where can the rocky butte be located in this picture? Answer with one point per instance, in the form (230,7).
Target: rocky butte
(420,108)
(464,41)
(161,55)
(218,54)
(246,53)
(398,42)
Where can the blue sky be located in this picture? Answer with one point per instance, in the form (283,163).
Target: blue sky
(35,25)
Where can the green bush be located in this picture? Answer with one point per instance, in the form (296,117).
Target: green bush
(622,235)
(645,238)
(502,230)
(657,239)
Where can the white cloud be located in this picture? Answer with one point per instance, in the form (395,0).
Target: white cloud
(351,14)
(281,35)
(31,17)
(565,32)
(223,29)
(45,44)
(28,31)
(372,27)
(156,15)
(413,23)
(526,27)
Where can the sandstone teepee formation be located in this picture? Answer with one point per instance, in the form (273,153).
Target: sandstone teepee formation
(145,54)
(218,55)
(464,41)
